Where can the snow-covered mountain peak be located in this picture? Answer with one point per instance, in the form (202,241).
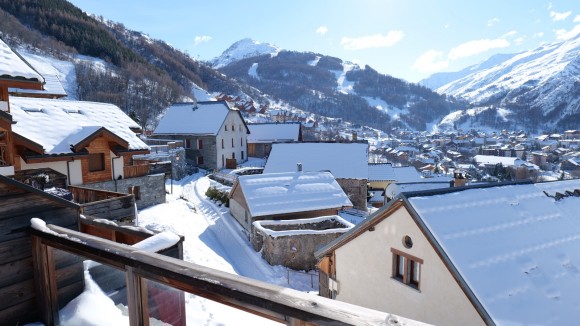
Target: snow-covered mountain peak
(242,49)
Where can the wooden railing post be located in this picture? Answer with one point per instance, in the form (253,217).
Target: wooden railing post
(137,299)
(45,278)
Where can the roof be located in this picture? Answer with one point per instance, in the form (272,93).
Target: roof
(52,87)
(12,66)
(273,132)
(394,189)
(343,160)
(201,118)
(381,172)
(505,161)
(57,125)
(516,247)
(281,193)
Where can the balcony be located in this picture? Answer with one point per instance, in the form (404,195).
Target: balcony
(104,204)
(141,168)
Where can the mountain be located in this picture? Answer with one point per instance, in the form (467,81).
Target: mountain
(328,86)
(533,90)
(442,78)
(242,49)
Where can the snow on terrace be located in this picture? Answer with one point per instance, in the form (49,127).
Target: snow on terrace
(517,248)
(280,193)
(12,65)
(58,124)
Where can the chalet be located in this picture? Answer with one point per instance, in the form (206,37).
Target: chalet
(287,195)
(464,256)
(214,134)
(263,135)
(348,162)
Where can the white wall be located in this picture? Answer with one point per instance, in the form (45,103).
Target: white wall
(439,300)
(117,166)
(234,119)
(76,173)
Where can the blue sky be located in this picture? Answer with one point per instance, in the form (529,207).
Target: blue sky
(409,39)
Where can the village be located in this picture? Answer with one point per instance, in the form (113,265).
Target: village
(389,226)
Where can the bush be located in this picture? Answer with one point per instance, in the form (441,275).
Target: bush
(215,194)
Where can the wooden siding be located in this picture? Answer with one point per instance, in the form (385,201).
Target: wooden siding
(134,171)
(98,145)
(104,204)
(19,204)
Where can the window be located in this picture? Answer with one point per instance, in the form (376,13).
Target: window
(232,143)
(222,144)
(187,143)
(226,127)
(96,162)
(407,268)
(241,141)
(200,160)
(233,129)
(233,155)
(200,144)
(242,155)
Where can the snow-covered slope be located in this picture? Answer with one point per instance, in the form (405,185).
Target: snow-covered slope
(538,88)
(442,78)
(245,48)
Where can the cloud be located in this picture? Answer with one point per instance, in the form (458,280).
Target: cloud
(577,19)
(562,34)
(557,16)
(508,34)
(430,61)
(492,22)
(519,41)
(539,34)
(372,41)
(201,39)
(475,47)
(322,30)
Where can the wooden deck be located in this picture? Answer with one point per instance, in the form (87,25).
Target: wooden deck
(270,301)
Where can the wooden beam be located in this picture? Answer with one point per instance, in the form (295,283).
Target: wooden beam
(137,299)
(45,278)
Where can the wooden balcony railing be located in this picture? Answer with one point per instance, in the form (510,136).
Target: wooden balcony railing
(104,204)
(134,171)
(4,155)
(280,304)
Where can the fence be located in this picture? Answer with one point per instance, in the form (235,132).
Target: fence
(269,301)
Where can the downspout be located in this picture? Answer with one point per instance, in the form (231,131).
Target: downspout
(68,170)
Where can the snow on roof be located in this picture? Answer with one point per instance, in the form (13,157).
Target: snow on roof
(394,189)
(205,118)
(505,161)
(58,124)
(343,160)
(380,172)
(273,132)
(52,86)
(13,66)
(517,249)
(280,193)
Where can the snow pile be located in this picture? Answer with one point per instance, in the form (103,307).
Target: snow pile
(158,242)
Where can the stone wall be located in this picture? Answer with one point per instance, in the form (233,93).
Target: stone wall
(293,242)
(151,188)
(356,190)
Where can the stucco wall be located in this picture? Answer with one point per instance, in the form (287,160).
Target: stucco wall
(439,300)
(239,133)
(76,174)
(151,188)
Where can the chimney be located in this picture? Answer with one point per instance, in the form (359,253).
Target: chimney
(459,179)
(354,136)
(299,167)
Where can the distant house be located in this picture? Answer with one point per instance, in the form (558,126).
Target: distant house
(214,134)
(348,162)
(464,256)
(283,196)
(263,135)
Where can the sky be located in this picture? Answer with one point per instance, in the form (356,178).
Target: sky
(409,39)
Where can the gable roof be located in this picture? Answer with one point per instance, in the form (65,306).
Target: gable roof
(12,66)
(273,132)
(514,248)
(56,125)
(343,160)
(201,118)
(281,193)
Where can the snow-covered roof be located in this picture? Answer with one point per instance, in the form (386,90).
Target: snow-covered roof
(52,87)
(203,118)
(505,161)
(280,193)
(394,189)
(273,132)
(381,172)
(517,248)
(343,160)
(14,67)
(56,125)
